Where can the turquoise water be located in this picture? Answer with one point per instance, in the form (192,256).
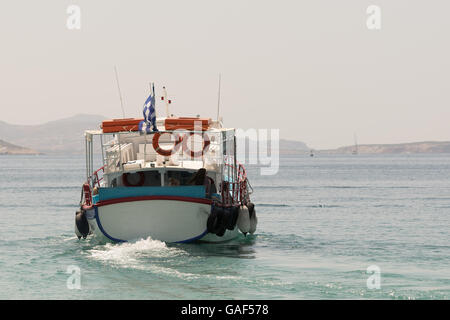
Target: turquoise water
(322,222)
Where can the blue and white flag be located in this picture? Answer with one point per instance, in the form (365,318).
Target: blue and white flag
(149,123)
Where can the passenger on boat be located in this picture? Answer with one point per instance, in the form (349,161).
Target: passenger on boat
(174,182)
(200,178)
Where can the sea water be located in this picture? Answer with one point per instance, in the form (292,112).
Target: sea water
(330,227)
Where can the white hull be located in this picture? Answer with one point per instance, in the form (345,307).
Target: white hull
(160,219)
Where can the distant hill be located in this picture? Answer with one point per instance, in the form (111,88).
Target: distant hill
(413,147)
(9,148)
(286,147)
(293,147)
(60,136)
(66,136)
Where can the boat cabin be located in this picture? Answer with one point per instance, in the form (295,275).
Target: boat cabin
(187,156)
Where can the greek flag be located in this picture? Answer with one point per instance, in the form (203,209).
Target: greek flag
(149,123)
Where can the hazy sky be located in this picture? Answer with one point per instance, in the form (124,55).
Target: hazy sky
(311,68)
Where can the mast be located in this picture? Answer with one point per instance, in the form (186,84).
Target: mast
(120,94)
(218,99)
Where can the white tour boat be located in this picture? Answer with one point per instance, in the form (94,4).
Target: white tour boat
(173,179)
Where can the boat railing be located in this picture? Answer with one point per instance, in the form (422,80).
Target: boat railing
(94,179)
(123,152)
(237,191)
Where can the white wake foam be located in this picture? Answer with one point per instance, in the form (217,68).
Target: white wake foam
(148,255)
(130,253)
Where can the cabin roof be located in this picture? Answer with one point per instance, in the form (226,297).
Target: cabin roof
(100,132)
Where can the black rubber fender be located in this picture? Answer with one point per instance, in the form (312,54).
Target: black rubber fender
(235,215)
(221,232)
(218,225)
(227,217)
(251,208)
(211,220)
(214,223)
(81,223)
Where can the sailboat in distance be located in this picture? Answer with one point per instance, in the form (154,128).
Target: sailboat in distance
(355,148)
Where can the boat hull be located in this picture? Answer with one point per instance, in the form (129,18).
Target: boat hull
(229,235)
(164,218)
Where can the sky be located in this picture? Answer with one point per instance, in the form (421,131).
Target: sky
(311,68)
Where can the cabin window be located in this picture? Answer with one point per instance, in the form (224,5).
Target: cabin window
(152,179)
(177,177)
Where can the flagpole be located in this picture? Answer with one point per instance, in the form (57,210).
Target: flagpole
(154,106)
(145,133)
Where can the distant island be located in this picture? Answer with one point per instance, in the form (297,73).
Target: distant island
(399,148)
(12,149)
(65,136)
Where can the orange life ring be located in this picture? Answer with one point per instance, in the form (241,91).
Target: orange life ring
(165,152)
(138,184)
(195,154)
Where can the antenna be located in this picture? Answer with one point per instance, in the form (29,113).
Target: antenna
(218,99)
(120,94)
